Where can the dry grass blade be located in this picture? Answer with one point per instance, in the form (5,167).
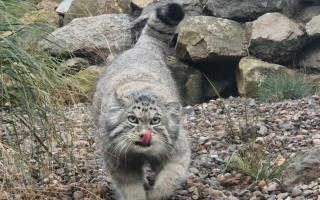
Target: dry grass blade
(33,93)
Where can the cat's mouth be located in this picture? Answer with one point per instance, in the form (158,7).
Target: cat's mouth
(142,144)
(145,139)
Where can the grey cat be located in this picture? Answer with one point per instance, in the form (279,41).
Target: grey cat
(137,112)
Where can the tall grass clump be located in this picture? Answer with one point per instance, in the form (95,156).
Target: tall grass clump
(30,103)
(252,160)
(278,87)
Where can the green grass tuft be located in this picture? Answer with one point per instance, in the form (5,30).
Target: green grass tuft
(252,160)
(278,87)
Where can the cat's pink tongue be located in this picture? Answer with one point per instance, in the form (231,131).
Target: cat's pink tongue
(146,139)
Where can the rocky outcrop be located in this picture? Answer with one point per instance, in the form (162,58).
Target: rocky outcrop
(309,59)
(92,37)
(275,38)
(304,169)
(210,45)
(210,38)
(246,10)
(313,27)
(252,72)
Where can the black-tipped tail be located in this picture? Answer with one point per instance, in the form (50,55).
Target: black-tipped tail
(162,24)
(171,14)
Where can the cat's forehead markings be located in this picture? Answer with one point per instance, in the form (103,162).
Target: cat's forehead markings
(144,99)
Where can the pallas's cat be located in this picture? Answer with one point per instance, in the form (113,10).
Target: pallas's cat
(137,112)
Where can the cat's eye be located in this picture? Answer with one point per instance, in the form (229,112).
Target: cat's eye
(155,121)
(133,119)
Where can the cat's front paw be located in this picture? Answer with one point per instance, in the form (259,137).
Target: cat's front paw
(149,182)
(157,193)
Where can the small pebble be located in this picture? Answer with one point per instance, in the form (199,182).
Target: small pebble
(78,195)
(296,192)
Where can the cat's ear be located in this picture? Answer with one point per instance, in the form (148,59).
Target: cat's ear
(173,107)
(173,112)
(122,98)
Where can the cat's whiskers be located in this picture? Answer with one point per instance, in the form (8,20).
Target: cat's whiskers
(125,146)
(117,140)
(114,149)
(125,153)
(169,147)
(116,144)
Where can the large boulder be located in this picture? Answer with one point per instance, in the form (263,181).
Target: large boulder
(204,38)
(309,59)
(275,38)
(92,37)
(313,27)
(247,10)
(306,14)
(86,8)
(252,72)
(304,168)
(189,81)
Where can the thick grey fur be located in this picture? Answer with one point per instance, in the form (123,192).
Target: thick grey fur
(139,83)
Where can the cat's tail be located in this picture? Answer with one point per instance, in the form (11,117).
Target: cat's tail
(162,23)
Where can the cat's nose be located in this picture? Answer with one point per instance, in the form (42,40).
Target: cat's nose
(147,132)
(146,138)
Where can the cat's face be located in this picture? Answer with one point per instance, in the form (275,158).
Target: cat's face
(143,124)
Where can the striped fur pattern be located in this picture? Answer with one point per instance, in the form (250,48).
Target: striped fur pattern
(137,95)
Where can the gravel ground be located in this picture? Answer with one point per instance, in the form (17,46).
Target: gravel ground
(283,129)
